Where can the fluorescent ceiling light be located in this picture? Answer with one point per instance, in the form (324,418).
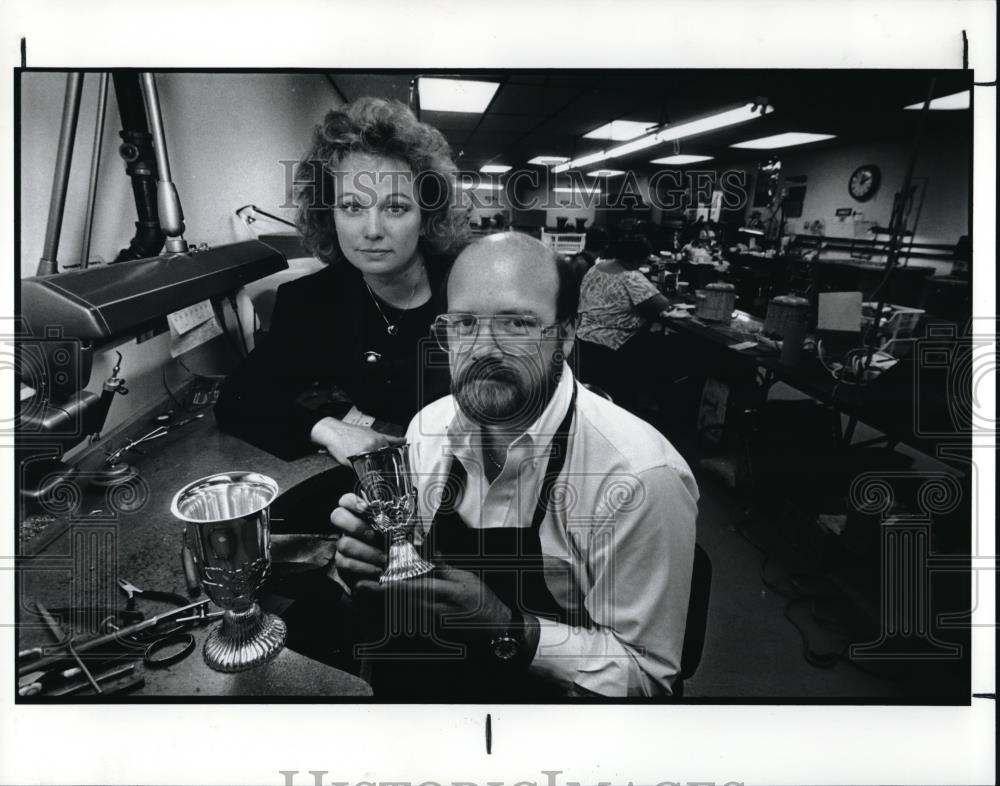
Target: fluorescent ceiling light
(593,158)
(620,130)
(679,131)
(467,186)
(494,169)
(703,125)
(636,144)
(788,139)
(572,190)
(954,101)
(681,159)
(548,160)
(606,173)
(455,95)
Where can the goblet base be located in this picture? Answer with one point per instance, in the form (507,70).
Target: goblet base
(404,563)
(244,639)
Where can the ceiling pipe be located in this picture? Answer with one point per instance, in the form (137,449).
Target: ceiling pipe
(897,224)
(170,213)
(48,263)
(95,168)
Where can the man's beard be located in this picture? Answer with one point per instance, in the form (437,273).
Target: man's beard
(491,393)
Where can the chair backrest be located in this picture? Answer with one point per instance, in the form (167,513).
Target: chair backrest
(599,391)
(564,242)
(697,616)
(256,299)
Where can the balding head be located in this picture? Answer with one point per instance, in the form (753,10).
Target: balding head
(518,268)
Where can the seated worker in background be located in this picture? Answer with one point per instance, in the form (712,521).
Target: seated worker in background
(562,526)
(617,303)
(692,228)
(594,246)
(708,233)
(387,238)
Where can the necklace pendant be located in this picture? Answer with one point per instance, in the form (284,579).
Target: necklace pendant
(391,330)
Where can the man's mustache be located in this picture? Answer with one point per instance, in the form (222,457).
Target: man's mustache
(486,369)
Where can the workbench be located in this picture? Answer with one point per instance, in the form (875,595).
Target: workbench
(910,405)
(129,532)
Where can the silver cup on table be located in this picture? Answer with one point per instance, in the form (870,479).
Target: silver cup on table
(228,530)
(387,487)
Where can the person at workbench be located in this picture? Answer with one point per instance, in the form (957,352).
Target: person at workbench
(594,246)
(617,303)
(377,203)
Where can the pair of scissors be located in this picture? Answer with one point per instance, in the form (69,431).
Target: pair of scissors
(161,647)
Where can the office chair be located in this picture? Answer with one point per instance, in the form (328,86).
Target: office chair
(256,300)
(697,618)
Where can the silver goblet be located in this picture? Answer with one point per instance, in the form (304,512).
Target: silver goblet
(387,487)
(229,530)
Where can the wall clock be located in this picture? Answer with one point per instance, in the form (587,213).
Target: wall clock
(864,181)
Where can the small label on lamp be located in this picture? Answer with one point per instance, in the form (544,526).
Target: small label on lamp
(191,317)
(207,330)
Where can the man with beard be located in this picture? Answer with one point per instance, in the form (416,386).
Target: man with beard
(562,526)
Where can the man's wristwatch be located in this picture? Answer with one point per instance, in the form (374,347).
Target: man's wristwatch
(509,643)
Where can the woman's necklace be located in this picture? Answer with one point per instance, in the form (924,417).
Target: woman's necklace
(391,327)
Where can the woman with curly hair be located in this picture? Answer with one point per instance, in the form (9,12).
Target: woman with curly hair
(377,203)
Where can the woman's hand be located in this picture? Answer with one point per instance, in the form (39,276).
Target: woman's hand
(342,440)
(359,549)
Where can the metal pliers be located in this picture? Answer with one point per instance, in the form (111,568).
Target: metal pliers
(132,592)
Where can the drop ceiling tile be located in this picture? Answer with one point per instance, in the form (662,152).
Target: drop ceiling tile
(530,99)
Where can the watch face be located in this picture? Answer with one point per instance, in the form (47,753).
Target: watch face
(864,182)
(505,647)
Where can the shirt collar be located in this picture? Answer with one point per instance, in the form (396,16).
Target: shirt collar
(464,435)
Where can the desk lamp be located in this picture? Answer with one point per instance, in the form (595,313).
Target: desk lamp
(65,317)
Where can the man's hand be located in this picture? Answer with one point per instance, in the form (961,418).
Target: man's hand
(359,550)
(449,592)
(342,440)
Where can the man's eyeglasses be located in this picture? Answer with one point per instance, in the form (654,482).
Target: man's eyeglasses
(514,334)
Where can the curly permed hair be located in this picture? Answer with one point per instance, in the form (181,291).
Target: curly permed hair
(379,127)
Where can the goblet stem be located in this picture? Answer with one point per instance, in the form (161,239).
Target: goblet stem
(244,639)
(404,562)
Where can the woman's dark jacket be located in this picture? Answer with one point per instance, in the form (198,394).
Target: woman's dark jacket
(323,330)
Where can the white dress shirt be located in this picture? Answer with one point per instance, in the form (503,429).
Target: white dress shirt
(618,536)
